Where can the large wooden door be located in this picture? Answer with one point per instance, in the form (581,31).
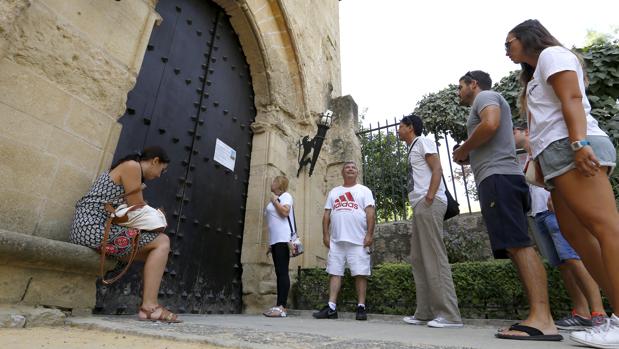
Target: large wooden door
(193,97)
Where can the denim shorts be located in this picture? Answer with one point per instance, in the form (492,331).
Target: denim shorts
(550,242)
(558,157)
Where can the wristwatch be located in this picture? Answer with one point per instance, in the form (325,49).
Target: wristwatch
(576,146)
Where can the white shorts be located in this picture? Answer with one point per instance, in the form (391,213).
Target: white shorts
(344,253)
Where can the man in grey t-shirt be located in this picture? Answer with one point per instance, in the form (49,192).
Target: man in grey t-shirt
(504,198)
(497,155)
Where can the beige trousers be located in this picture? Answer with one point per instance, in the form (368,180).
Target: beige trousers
(436,296)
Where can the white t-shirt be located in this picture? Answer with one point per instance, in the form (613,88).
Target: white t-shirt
(539,199)
(348,218)
(547,123)
(419,171)
(279,228)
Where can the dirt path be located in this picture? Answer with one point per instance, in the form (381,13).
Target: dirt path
(75,338)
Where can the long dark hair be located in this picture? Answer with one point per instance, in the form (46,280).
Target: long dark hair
(146,154)
(534,38)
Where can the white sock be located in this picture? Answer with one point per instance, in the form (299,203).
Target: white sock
(361,305)
(614,319)
(332,305)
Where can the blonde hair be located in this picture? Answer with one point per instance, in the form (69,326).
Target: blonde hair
(281,182)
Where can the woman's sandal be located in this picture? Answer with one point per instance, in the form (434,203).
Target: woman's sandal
(165,316)
(275,312)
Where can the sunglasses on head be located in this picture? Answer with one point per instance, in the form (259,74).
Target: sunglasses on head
(470,75)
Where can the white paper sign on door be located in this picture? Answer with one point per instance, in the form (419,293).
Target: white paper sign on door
(224,154)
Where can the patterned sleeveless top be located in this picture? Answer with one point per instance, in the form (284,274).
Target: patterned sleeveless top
(90,216)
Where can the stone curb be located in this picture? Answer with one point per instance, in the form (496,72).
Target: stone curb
(19,316)
(47,254)
(92,323)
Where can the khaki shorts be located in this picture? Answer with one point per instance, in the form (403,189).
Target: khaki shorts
(344,253)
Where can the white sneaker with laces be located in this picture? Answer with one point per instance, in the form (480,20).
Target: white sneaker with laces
(413,321)
(605,336)
(440,322)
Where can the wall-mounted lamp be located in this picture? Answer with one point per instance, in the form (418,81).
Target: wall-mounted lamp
(315,143)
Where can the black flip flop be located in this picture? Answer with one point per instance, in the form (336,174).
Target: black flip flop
(533,334)
(503,329)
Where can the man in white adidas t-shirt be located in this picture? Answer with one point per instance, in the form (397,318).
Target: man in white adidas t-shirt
(348,230)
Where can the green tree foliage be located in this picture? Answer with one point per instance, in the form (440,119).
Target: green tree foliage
(384,172)
(509,88)
(602,62)
(442,114)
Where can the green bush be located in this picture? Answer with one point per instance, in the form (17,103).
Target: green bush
(489,289)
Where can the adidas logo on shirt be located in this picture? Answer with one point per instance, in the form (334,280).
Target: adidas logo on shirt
(345,201)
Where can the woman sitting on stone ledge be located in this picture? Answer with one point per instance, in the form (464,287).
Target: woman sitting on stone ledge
(126,176)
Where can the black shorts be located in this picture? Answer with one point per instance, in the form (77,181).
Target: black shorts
(505,201)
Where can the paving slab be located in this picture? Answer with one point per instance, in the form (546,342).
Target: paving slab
(300,330)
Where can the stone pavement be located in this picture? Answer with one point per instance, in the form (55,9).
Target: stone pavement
(300,330)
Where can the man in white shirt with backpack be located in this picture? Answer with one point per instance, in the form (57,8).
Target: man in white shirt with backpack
(348,232)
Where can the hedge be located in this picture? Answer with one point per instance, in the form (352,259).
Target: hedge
(489,289)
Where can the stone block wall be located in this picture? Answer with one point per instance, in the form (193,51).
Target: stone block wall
(65,70)
(465,236)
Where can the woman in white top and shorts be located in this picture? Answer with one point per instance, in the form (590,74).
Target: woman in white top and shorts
(575,156)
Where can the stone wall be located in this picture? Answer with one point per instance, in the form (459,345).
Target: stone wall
(293,51)
(465,239)
(65,70)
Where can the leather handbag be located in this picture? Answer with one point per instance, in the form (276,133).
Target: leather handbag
(139,217)
(142,217)
(453,207)
(532,170)
(533,173)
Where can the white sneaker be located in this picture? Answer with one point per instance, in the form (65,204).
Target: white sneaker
(413,321)
(440,322)
(605,336)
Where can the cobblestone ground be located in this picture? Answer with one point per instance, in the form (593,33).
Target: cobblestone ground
(77,338)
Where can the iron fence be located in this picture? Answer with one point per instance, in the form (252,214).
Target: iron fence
(384,166)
